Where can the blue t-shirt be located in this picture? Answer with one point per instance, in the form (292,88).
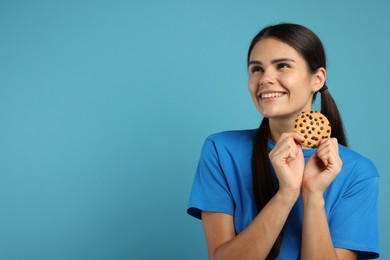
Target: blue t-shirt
(223,183)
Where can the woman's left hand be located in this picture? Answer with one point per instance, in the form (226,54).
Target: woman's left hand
(322,167)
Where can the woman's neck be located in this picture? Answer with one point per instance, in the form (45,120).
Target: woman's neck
(279,126)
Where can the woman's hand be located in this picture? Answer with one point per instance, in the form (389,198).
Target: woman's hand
(288,161)
(322,168)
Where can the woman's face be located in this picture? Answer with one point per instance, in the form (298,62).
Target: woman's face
(280,83)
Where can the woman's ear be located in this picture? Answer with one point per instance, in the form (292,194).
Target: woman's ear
(319,78)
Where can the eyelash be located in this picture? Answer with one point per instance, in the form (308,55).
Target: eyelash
(283,65)
(256,69)
(278,66)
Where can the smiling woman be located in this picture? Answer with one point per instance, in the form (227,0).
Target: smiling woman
(259,193)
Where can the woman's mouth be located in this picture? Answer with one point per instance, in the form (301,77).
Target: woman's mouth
(270,95)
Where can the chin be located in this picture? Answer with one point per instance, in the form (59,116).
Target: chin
(267,114)
(274,114)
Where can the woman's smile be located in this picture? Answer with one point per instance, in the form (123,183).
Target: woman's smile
(270,96)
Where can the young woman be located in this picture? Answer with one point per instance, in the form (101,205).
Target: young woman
(259,193)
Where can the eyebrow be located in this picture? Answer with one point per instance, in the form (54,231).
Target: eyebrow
(257,62)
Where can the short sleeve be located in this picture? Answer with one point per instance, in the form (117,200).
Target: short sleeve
(210,189)
(353,222)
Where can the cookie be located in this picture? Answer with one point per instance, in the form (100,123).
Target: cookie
(314,126)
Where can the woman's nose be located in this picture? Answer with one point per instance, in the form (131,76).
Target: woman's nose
(267,78)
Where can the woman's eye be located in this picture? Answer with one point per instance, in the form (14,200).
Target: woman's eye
(256,69)
(283,65)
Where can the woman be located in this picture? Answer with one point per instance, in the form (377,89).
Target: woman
(259,193)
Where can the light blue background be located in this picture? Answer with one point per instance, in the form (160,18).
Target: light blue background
(104,106)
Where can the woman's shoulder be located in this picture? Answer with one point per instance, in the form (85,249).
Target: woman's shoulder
(356,162)
(233,137)
(234,143)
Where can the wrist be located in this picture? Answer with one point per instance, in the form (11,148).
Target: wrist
(313,199)
(288,197)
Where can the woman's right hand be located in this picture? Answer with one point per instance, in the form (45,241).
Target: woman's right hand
(288,162)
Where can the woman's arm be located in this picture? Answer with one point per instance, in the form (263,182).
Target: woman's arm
(256,240)
(321,169)
(316,238)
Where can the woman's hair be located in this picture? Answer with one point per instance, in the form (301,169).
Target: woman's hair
(309,46)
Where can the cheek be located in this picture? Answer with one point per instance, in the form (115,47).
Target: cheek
(252,85)
(290,78)
(298,82)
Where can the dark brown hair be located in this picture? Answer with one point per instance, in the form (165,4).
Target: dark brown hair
(309,46)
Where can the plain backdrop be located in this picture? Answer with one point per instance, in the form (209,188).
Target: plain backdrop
(104,106)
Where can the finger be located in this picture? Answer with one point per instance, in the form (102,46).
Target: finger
(294,136)
(298,138)
(329,141)
(287,149)
(328,152)
(324,156)
(282,141)
(284,150)
(335,143)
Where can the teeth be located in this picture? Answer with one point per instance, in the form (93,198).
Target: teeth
(271,95)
